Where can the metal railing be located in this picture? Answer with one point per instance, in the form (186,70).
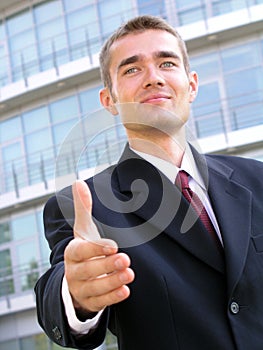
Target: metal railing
(18,280)
(59,49)
(43,166)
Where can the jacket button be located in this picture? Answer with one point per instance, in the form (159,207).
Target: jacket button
(57,333)
(234,308)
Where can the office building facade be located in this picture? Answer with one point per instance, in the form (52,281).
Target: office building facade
(49,84)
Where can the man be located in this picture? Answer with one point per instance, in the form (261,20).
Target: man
(157,279)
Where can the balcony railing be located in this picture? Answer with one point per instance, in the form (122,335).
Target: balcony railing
(58,50)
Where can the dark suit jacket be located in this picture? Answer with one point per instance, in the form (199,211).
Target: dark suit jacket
(185,294)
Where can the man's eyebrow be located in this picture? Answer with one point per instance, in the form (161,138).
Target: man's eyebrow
(167,54)
(129,60)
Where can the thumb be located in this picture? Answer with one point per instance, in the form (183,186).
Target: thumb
(84,226)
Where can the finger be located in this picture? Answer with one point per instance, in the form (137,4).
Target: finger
(84,226)
(99,266)
(79,250)
(108,283)
(100,302)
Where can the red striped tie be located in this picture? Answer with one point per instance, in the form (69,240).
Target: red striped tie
(183,183)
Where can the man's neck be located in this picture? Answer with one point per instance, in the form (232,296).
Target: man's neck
(166,147)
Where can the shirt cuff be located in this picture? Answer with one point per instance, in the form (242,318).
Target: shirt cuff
(77,326)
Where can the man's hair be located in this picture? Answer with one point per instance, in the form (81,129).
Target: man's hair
(137,25)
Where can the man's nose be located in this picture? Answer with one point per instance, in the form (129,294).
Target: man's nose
(153,77)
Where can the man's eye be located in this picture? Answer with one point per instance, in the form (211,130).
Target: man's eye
(131,70)
(168,64)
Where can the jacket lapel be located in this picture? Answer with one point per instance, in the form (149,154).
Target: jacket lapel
(232,204)
(163,209)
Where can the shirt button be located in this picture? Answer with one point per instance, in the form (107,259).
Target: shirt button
(234,308)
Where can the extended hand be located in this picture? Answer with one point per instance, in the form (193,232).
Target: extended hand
(96,273)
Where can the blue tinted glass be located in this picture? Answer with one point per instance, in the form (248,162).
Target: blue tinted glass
(187,3)
(60,131)
(154,8)
(27,253)
(50,30)
(86,18)
(64,109)
(11,152)
(89,100)
(19,22)
(23,55)
(48,10)
(35,119)
(109,15)
(10,129)
(73,5)
(3,72)
(24,226)
(250,91)
(38,141)
(241,56)
(44,248)
(207,110)
(190,16)
(225,6)
(206,66)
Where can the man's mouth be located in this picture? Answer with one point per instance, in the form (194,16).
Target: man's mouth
(156,98)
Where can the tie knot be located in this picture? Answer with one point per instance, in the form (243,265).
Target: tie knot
(182,180)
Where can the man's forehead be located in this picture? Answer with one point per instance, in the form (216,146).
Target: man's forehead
(129,45)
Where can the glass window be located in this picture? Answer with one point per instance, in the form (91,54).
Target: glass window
(24,226)
(206,66)
(109,15)
(64,109)
(23,55)
(19,22)
(224,6)
(47,11)
(10,344)
(10,129)
(50,30)
(151,7)
(207,115)
(73,5)
(11,152)
(89,100)
(3,70)
(245,100)
(28,264)
(85,17)
(60,131)
(14,169)
(5,263)
(241,56)
(5,232)
(35,119)
(38,141)
(43,244)
(187,3)
(21,41)
(250,91)
(190,16)
(6,280)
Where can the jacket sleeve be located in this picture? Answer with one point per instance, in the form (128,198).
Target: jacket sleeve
(58,223)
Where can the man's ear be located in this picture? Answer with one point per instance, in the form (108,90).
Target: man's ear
(193,86)
(106,100)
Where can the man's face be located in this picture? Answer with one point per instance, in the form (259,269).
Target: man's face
(147,68)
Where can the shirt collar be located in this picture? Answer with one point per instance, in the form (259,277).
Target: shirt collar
(170,170)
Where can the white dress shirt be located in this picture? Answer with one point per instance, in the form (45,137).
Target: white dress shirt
(170,171)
